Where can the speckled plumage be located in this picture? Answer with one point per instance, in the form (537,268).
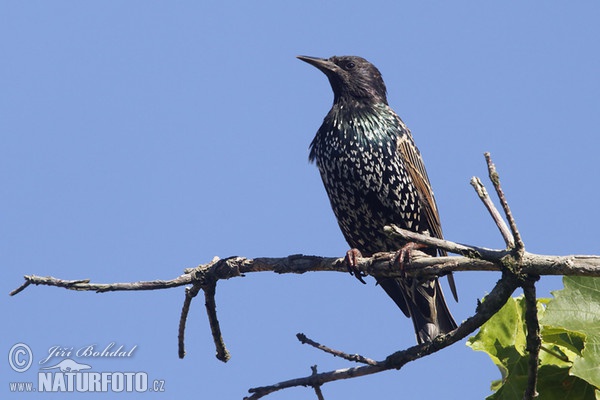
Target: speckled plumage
(374,176)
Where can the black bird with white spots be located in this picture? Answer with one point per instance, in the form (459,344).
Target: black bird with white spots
(374,176)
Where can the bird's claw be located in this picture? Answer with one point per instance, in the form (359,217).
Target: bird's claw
(351,260)
(403,255)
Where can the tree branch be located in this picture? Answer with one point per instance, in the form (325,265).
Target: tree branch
(85,285)
(336,353)
(190,293)
(420,265)
(317,388)
(487,201)
(534,340)
(215,328)
(519,247)
(493,302)
(518,268)
(456,248)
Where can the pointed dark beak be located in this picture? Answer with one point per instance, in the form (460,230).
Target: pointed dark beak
(322,63)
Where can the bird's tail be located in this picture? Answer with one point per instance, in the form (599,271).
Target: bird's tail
(424,303)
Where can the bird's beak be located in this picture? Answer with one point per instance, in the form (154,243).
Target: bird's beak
(322,63)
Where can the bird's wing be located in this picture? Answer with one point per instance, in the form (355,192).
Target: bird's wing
(416,169)
(414,165)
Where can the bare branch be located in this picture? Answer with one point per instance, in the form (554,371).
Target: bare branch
(190,293)
(495,178)
(493,302)
(20,288)
(420,265)
(452,247)
(317,388)
(487,201)
(534,340)
(350,357)
(85,285)
(215,327)
(316,380)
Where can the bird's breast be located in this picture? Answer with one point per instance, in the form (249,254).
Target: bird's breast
(366,182)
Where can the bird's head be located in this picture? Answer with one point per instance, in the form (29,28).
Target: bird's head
(351,78)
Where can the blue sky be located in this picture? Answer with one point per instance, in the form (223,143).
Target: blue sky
(140,138)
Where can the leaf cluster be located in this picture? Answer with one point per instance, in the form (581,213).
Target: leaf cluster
(570,330)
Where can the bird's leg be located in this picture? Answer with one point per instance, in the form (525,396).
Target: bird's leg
(351,260)
(403,255)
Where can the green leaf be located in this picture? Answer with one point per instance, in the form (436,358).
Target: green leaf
(503,338)
(504,342)
(577,308)
(570,340)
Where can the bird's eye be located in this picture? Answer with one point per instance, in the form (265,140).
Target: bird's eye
(350,65)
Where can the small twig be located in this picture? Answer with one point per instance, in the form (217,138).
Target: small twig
(452,247)
(20,288)
(495,178)
(534,340)
(211,310)
(190,293)
(85,285)
(489,204)
(350,357)
(317,388)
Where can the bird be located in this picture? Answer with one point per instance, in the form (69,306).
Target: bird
(374,176)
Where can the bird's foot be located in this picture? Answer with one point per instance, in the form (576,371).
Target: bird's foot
(403,255)
(351,260)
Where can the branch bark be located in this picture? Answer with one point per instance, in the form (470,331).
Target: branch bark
(419,266)
(534,340)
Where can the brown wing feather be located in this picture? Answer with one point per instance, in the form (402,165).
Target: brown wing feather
(416,169)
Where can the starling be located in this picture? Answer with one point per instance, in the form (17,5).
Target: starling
(374,176)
